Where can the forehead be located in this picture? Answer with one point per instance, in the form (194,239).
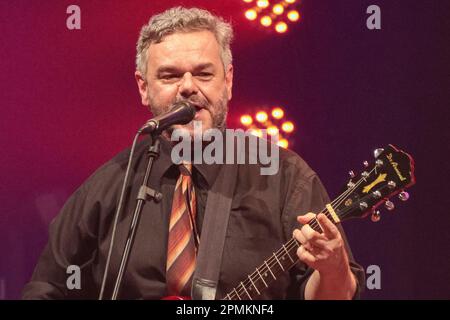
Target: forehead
(185,49)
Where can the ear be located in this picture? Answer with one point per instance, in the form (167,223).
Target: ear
(142,87)
(229,80)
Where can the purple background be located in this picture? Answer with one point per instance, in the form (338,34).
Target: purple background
(69,103)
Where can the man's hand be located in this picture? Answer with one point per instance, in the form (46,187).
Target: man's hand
(325,252)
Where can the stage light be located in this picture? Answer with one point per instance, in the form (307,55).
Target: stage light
(261,116)
(287,127)
(256,132)
(277,113)
(281,27)
(283,143)
(279,14)
(266,21)
(272,130)
(251,14)
(278,9)
(262,3)
(246,120)
(293,15)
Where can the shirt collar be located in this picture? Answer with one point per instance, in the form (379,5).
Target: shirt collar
(209,172)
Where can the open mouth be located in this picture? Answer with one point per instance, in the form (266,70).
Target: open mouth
(198,107)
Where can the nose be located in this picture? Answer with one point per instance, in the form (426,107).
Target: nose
(187,86)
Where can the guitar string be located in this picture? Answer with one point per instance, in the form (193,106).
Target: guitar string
(293,242)
(273,261)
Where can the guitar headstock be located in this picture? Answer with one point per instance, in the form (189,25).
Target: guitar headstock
(390,174)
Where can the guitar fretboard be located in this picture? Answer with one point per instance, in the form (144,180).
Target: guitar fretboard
(393,171)
(272,268)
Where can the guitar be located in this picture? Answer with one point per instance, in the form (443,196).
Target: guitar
(391,173)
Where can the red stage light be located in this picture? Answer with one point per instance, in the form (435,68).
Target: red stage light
(256,132)
(261,116)
(277,113)
(278,9)
(262,3)
(251,14)
(272,130)
(281,27)
(287,127)
(283,143)
(246,120)
(266,21)
(293,15)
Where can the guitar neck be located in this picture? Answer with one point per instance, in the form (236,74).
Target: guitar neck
(391,173)
(273,267)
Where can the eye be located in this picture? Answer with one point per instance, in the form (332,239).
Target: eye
(169,76)
(205,75)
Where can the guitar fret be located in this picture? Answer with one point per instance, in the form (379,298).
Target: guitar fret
(390,161)
(278,261)
(288,253)
(317,226)
(262,278)
(242,285)
(254,285)
(270,270)
(234,289)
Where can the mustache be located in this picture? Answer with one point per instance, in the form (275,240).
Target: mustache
(196,102)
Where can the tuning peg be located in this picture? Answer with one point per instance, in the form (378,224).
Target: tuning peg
(379,163)
(392,184)
(403,196)
(375,216)
(377,152)
(365,164)
(351,174)
(389,205)
(376,194)
(363,206)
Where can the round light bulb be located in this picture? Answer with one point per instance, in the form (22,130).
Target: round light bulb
(251,14)
(281,27)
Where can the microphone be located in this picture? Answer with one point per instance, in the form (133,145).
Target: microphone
(181,112)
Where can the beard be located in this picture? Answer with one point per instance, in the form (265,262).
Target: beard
(217,111)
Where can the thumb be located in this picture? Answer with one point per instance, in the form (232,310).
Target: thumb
(304,219)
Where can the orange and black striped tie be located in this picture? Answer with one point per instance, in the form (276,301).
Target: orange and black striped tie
(181,249)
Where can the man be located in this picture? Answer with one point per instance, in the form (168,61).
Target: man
(184,55)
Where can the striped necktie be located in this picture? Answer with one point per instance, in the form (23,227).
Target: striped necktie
(181,249)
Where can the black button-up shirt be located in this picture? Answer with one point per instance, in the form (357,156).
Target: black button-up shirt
(262,218)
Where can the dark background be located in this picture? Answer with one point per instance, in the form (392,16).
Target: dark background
(69,103)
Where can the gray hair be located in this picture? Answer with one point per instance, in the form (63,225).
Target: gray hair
(181,19)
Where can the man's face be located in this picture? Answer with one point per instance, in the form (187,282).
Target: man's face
(187,66)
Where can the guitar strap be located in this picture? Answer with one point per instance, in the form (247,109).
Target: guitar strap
(214,228)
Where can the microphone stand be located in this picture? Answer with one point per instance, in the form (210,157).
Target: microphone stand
(145,193)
